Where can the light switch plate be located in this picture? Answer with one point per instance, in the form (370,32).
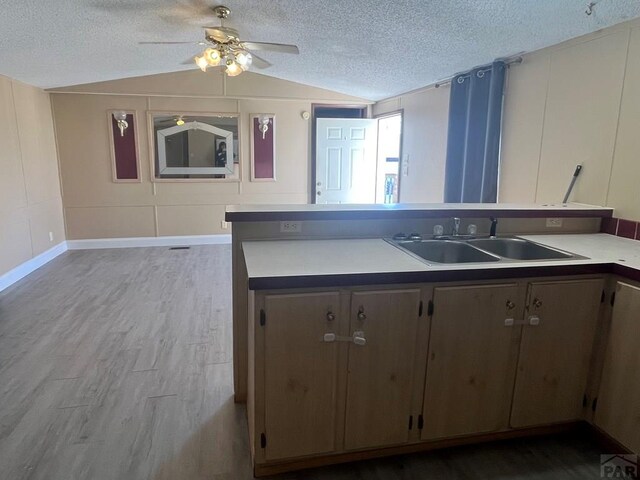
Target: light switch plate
(405,165)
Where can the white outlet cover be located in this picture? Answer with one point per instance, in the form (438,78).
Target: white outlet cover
(290,227)
(554,222)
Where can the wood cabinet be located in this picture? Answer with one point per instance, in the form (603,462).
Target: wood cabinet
(339,374)
(304,338)
(381,371)
(618,405)
(473,349)
(555,351)
(300,374)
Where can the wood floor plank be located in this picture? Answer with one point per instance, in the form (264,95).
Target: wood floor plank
(116,364)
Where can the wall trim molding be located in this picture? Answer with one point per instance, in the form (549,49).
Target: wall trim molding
(131,242)
(18,273)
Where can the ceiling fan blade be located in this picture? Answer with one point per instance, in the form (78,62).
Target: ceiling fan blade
(272,47)
(170,43)
(259,62)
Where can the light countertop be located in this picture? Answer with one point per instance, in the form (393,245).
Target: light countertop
(307,263)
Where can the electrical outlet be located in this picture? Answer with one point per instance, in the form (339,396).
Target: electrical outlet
(51,236)
(554,222)
(290,227)
(224,225)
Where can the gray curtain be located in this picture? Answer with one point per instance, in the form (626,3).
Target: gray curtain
(473,143)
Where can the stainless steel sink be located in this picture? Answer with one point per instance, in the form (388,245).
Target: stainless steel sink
(518,249)
(446,251)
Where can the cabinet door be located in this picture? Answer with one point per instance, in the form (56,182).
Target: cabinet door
(381,372)
(471,362)
(555,353)
(300,374)
(618,408)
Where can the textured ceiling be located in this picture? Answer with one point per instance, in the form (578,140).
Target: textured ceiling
(366,48)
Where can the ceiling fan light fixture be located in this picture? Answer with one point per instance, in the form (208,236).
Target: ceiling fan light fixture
(244,59)
(213,57)
(233,69)
(202,62)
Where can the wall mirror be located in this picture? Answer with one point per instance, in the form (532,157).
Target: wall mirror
(195,146)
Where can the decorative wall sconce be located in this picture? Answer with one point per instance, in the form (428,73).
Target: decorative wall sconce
(121,119)
(263,125)
(263,147)
(124,150)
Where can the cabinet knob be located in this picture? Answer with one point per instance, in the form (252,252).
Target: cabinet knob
(537,302)
(361,314)
(510,305)
(331,316)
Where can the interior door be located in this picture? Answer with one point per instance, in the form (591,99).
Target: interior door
(346,159)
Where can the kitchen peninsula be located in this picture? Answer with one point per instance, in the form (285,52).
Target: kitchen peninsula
(392,353)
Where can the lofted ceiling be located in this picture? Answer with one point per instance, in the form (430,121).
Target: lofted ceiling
(365,48)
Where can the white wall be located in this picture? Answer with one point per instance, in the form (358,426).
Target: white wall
(576,102)
(30,204)
(424,142)
(96,207)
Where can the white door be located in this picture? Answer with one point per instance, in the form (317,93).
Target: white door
(346,160)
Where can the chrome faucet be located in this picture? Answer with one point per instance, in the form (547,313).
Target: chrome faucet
(456,227)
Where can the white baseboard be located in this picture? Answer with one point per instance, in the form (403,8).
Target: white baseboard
(130,242)
(24,269)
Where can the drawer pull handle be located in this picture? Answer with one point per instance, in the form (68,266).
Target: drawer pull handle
(534,320)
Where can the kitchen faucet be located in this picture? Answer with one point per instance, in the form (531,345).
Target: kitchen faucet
(456,227)
(494,227)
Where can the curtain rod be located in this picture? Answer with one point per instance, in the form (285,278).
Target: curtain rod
(446,81)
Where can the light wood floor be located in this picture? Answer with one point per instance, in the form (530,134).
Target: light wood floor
(116,364)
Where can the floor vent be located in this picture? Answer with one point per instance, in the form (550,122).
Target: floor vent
(179,248)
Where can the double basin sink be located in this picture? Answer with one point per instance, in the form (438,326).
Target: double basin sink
(480,250)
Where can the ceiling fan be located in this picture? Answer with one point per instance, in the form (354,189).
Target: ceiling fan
(226,49)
